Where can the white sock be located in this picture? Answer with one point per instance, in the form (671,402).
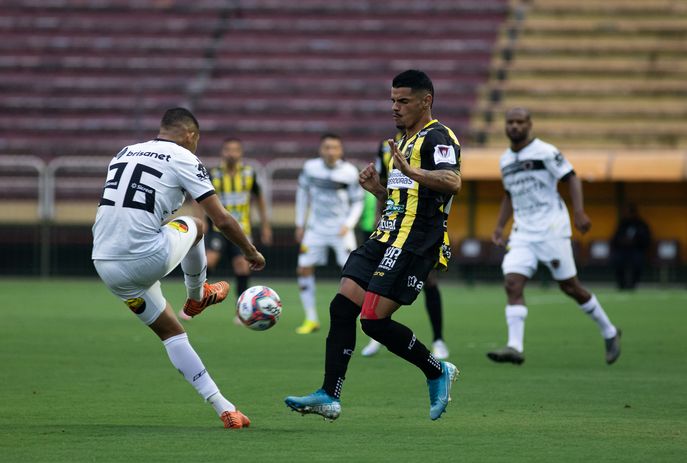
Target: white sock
(221,404)
(185,359)
(515,317)
(597,313)
(307,291)
(195,268)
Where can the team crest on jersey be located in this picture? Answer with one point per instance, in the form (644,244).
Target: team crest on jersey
(202,172)
(408,151)
(444,154)
(179,225)
(136,304)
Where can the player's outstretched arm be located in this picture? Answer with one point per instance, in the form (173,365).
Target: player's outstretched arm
(231,229)
(369,180)
(582,222)
(505,212)
(442,181)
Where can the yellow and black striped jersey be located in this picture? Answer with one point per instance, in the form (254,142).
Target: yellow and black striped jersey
(415,217)
(384,158)
(234,191)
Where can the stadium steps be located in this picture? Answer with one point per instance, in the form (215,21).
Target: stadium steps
(605,74)
(82,77)
(329,54)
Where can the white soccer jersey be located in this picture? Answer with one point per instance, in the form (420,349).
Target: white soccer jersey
(146,184)
(328,197)
(530,177)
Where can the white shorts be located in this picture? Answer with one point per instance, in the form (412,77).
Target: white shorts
(137,281)
(523,256)
(314,248)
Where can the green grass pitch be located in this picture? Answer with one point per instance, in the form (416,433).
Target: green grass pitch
(83,380)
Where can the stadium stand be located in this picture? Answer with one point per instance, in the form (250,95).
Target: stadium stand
(607,83)
(609,74)
(81,78)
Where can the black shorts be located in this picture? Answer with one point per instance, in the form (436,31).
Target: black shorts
(217,242)
(391,272)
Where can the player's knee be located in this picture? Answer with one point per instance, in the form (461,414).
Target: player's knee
(305,271)
(375,328)
(342,310)
(200,227)
(513,286)
(370,303)
(568,287)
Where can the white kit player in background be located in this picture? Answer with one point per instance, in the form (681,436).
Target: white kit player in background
(541,232)
(329,202)
(134,247)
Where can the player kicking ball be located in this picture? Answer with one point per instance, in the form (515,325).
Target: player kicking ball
(133,248)
(541,232)
(390,269)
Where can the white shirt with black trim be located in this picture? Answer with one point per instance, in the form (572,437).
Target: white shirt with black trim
(146,183)
(530,177)
(328,197)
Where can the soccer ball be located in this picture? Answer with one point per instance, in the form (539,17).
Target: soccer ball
(259,308)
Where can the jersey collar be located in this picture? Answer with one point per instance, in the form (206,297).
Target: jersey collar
(168,141)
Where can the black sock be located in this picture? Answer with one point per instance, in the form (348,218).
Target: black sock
(400,340)
(433,305)
(340,343)
(241,284)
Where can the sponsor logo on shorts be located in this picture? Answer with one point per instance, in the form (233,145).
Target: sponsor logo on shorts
(136,304)
(446,251)
(555,263)
(378,274)
(179,225)
(414,283)
(389,260)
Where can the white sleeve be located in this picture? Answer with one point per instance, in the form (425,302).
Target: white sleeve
(302,199)
(194,177)
(557,164)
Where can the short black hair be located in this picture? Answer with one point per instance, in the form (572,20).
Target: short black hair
(415,80)
(520,109)
(327,135)
(231,140)
(179,116)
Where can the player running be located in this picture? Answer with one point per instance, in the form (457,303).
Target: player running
(134,247)
(541,232)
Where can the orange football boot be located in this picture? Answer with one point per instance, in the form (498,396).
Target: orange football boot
(212,294)
(235,420)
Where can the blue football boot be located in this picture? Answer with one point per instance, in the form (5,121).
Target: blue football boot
(319,402)
(440,390)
